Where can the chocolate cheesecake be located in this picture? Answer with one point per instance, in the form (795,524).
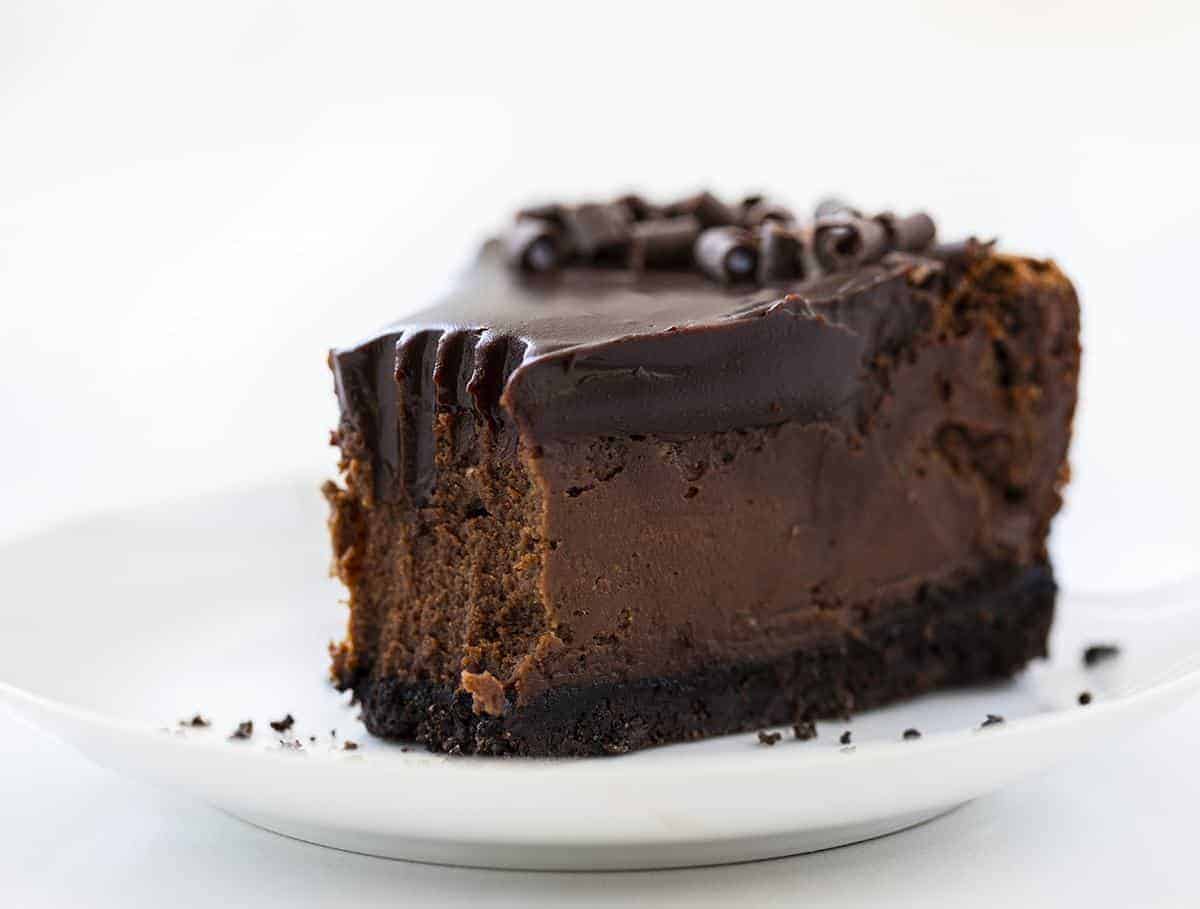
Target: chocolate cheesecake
(649,473)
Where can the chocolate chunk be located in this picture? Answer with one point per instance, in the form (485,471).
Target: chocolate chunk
(805,730)
(595,229)
(844,242)
(534,245)
(664,242)
(845,737)
(244,730)
(913,233)
(196,722)
(992,720)
(1099,653)
(283,725)
(910,734)
(769,738)
(349,746)
(726,253)
(832,206)
(780,254)
(1085,698)
(708,209)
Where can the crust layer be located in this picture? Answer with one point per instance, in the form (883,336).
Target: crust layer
(986,629)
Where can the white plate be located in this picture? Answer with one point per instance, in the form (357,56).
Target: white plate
(113,629)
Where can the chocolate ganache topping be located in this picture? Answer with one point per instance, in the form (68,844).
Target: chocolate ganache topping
(628,317)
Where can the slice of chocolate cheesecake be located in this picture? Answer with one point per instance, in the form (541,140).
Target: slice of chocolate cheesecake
(653,473)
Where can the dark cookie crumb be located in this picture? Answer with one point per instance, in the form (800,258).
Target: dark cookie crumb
(312,738)
(333,733)
(196,722)
(910,734)
(845,738)
(293,745)
(403,750)
(1098,653)
(769,738)
(349,745)
(283,725)
(805,730)
(992,720)
(1085,698)
(244,730)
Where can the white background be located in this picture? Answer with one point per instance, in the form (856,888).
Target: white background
(197,200)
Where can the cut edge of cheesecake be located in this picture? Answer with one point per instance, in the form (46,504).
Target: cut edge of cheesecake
(461,632)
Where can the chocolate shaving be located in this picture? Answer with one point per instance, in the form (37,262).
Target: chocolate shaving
(910,734)
(349,746)
(554,213)
(769,738)
(244,730)
(992,720)
(844,738)
(639,209)
(727,254)
(283,725)
(842,242)
(708,209)
(832,206)
(595,228)
(534,245)
(762,212)
(756,240)
(914,233)
(780,254)
(196,722)
(664,242)
(1085,698)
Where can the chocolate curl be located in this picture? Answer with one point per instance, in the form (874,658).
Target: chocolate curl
(762,212)
(726,254)
(639,209)
(596,228)
(708,209)
(832,206)
(780,254)
(844,242)
(911,234)
(552,212)
(663,242)
(534,245)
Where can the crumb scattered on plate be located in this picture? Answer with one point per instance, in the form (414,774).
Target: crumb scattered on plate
(1099,653)
(805,730)
(283,725)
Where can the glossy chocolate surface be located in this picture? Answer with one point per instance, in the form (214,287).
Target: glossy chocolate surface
(609,350)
